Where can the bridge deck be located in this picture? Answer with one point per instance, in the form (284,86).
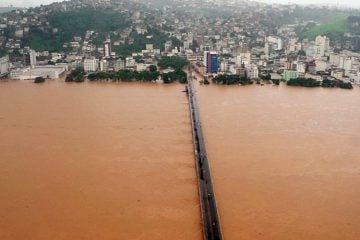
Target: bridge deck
(211,223)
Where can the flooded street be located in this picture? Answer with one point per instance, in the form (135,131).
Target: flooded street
(96,161)
(285,161)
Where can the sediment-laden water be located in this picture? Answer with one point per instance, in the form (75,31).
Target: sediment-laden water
(285,161)
(96,161)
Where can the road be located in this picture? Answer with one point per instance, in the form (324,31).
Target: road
(211,222)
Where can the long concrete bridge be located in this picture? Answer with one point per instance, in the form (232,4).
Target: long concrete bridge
(210,218)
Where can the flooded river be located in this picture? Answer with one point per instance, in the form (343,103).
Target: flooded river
(115,161)
(96,161)
(285,161)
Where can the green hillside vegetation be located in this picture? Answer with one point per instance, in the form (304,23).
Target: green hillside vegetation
(334,29)
(173,62)
(7,9)
(158,40)
(43,41)
(354,24)
(2,52)
(76,23)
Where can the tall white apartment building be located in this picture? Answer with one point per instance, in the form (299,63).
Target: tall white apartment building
(91,65)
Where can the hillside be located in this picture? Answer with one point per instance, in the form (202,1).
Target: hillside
(7,9)
(335,28)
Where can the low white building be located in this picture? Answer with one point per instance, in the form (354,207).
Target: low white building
(130,62)
(140,67)
(50,71)
(337,73)
(313,76)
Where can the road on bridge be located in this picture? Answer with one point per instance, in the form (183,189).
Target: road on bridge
(210,218)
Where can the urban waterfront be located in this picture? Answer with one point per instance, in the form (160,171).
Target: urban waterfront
(285,161)
(96,161)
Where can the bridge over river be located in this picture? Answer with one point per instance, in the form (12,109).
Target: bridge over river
(210,218)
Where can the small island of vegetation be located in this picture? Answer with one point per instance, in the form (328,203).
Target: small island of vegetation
(125,75)
(326,83)
(336,83)
(304,82)
(232,79)
(77,75)
(39,80)
(143,76)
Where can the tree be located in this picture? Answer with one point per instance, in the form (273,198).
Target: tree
(268,77)
(39,80)
(276,81)
(177,75)
(232,79)
(153,68)
(305,82)
(69,78)
(77,75)
(301,53)
(173,62)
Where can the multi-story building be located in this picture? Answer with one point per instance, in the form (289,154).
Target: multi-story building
(252,72)
(324,44)
(320,65)
(104,65)
(32,55)
(119,65)
(107,48)
(4,66)
(211,61)
(301,67)
(355,43)
(348,64)
(334,58)
(290,74)
(91,65)
(30,58)
(168,46)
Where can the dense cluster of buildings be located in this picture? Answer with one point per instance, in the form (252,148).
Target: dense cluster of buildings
(241,42)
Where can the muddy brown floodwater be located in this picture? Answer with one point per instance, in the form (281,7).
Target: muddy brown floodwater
(96,161)
(285,161)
